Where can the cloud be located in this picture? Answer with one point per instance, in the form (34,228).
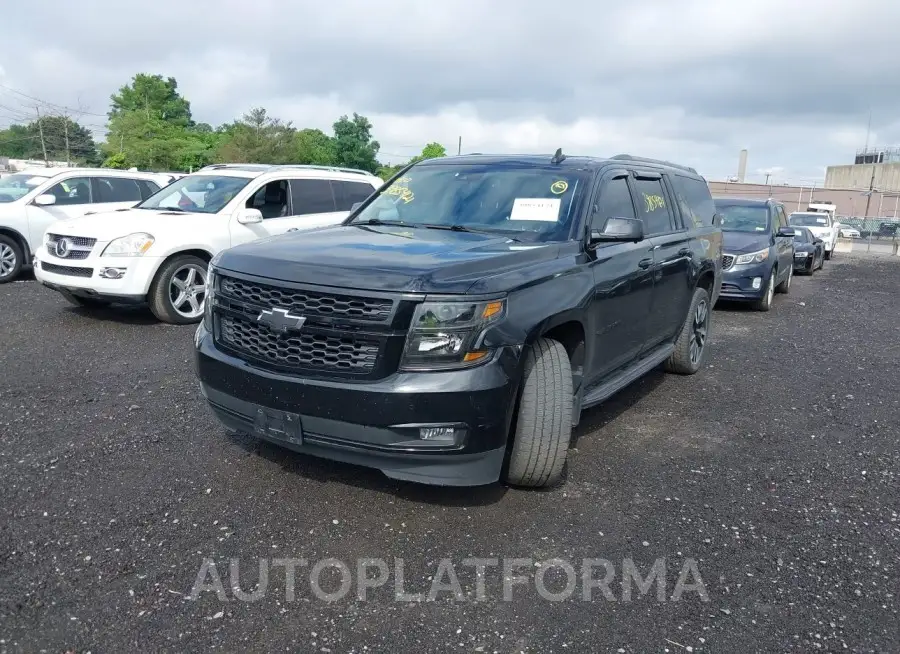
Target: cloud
(689,80)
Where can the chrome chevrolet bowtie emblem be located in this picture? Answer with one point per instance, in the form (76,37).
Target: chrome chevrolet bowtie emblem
(280,320)
(62,247)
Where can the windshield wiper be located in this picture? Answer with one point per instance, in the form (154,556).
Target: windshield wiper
(463,228)
(387,223)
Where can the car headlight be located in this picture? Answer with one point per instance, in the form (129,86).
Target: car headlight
(752,257)
(448,334)
(801,254)
(210,298)
(133,245)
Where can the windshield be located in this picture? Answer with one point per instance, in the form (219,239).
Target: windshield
(800,236)
(536,203)
(809,219)
(743,218)
(14,187)
(196,194)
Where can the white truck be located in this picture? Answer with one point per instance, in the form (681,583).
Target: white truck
(819,218)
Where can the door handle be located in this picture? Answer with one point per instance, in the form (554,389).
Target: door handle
(686,252)
(645,263)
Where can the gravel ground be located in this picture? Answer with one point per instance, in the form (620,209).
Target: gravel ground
(774,470)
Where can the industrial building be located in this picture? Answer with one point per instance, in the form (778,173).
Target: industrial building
(873,167)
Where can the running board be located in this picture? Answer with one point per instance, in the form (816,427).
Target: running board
(607,389)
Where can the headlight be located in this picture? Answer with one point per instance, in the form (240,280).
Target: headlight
(801,254)
(448,334)
(133,245)
(753,257)
(210,298)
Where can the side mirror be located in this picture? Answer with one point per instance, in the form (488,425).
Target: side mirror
(249,216)
(618,229)
(718,219)
(355,206)
(45,200)
(786,231)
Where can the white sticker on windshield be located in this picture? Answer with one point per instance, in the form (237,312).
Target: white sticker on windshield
(545,209)
(821,221)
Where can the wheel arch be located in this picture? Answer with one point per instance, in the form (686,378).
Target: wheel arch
(198,252)
(21,240)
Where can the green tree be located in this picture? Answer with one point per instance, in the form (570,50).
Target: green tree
(151,143)
(156,97)
(257,138)
(432,151)
(354,146)
(313,146)
(16,142)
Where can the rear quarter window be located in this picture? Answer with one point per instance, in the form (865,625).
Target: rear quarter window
(694,199)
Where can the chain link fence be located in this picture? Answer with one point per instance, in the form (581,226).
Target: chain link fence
(874,235)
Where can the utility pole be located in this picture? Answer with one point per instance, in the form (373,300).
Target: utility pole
(767,177)
(459,146)
(40,123)
(66,132)
(869,194)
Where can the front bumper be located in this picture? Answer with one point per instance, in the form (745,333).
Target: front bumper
(374,424)
(83,277)
(737,282)
(804,263)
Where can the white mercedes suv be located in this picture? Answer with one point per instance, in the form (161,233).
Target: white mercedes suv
(158,251)
(35,198)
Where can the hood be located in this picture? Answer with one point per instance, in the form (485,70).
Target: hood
(742,242)
(108,225)
(400,259)
(804,247)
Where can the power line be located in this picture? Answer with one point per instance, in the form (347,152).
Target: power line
(57,107)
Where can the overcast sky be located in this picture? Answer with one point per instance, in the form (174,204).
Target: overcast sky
(689,80)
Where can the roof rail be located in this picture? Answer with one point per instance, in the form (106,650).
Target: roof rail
(661,162)
(339,169)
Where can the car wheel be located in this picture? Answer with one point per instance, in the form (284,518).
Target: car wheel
(785,286)
(179,290)
(87,302)
(11,259)
(690,346)
(765,302)
(544,423)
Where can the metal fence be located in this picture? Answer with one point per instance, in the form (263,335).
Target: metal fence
(875,235)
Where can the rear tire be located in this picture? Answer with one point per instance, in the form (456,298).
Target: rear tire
(172,279)
(785,286)
(690,346)
(86,302)
(544,423)
(11,259)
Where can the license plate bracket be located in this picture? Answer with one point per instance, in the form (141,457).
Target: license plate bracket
(278,425)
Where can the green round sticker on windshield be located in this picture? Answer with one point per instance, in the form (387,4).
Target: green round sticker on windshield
(559,187)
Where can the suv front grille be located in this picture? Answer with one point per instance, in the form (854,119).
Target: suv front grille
(78,241)
(348,353)
(309,303)
(71,271)
(79,248)
(727,261)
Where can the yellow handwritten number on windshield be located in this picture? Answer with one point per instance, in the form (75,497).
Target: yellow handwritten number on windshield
(559,187)
(653,202)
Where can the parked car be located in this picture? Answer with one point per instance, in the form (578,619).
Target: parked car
(848,231)
(758,247)
(453,329)
(809,251)
(31,200)
(819,223)
(158,251)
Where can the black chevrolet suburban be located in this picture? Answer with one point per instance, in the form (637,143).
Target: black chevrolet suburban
(454,327)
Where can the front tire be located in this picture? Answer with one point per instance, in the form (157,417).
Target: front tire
(690,346)
(544,423)
(11,259)
(765,302)
(179,290)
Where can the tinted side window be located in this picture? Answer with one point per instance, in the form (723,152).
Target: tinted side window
(346,194)
(147,188)
(780,219)
(694,199)
(117,189)
(653,207)
(76,190)
(614,201)
(312,196)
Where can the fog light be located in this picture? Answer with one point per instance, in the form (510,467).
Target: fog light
(437,433)
(112,273)
(757,283)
